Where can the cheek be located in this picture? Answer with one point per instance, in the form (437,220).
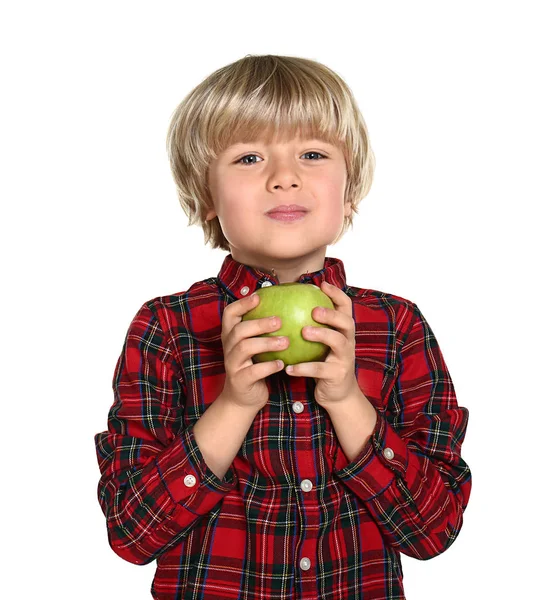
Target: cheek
(238,194)
(332,198)
(340,182)
(235,220)
(333,185)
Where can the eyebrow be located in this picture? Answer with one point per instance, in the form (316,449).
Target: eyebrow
(303,141)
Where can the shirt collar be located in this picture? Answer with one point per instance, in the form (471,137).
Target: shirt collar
(241,280)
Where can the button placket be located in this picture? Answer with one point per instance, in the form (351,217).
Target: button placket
(307,476)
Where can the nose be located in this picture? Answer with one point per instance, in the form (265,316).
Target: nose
(284,175)
(278,185)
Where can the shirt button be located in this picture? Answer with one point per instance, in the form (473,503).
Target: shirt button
(388,453)
(267,283)
(245,290)
(305,564)
(306,485)
(298,407)
(189,481)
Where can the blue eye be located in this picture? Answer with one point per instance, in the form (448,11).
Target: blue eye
(241,159)
(318,153)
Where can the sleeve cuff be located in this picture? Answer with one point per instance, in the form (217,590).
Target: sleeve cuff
(384,457)
(189,481)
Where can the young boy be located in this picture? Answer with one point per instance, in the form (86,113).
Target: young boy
(242,479)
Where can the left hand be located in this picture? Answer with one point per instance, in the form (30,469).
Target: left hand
(335,376)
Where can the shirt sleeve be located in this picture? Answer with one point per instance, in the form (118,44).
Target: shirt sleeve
(154,482)
(410,474)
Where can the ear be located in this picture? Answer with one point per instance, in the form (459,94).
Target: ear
(347,209)
(211,214)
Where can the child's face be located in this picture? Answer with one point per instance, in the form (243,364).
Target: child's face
(279,174)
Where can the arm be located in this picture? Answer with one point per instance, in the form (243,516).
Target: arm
(147,452)
(409,471)
(220,432)
(354,420)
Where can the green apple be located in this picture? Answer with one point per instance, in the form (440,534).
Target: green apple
(293,304)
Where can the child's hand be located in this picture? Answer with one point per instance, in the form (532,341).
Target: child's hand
(245,383)
(335,376)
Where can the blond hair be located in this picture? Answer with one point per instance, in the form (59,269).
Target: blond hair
(264,97)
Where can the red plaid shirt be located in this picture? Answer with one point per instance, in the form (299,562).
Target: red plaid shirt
(293,517)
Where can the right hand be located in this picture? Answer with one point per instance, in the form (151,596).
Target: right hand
(245,380)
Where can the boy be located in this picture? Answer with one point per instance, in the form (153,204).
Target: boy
(242,479)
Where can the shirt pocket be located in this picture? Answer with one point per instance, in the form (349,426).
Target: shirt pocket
(375,379)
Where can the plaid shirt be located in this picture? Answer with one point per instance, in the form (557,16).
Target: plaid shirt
(293,517)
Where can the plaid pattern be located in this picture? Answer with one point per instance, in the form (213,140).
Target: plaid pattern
(244,536)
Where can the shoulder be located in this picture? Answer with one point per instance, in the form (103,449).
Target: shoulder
(371,297)
(194,311)
(370,305)
(198,293)
(379,300)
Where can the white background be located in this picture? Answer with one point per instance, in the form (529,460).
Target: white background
(461,104)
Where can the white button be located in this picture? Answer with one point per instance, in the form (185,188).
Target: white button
(245,290)
(298,407)
(388,453)
(267,283)
(306,485)
(189,481)
(305,564)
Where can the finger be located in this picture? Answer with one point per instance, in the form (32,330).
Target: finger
(336,340)
(338,297)
(243,354)
(233,312)
(335,318)
(244,330)
(259,371)
(319,370)
(252,327)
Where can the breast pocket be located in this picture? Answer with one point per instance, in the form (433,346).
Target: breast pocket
(376,380)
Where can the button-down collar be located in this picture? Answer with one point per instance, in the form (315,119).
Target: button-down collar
(241,280)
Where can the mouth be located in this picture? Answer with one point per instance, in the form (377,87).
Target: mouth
(287,214)
(287,217)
